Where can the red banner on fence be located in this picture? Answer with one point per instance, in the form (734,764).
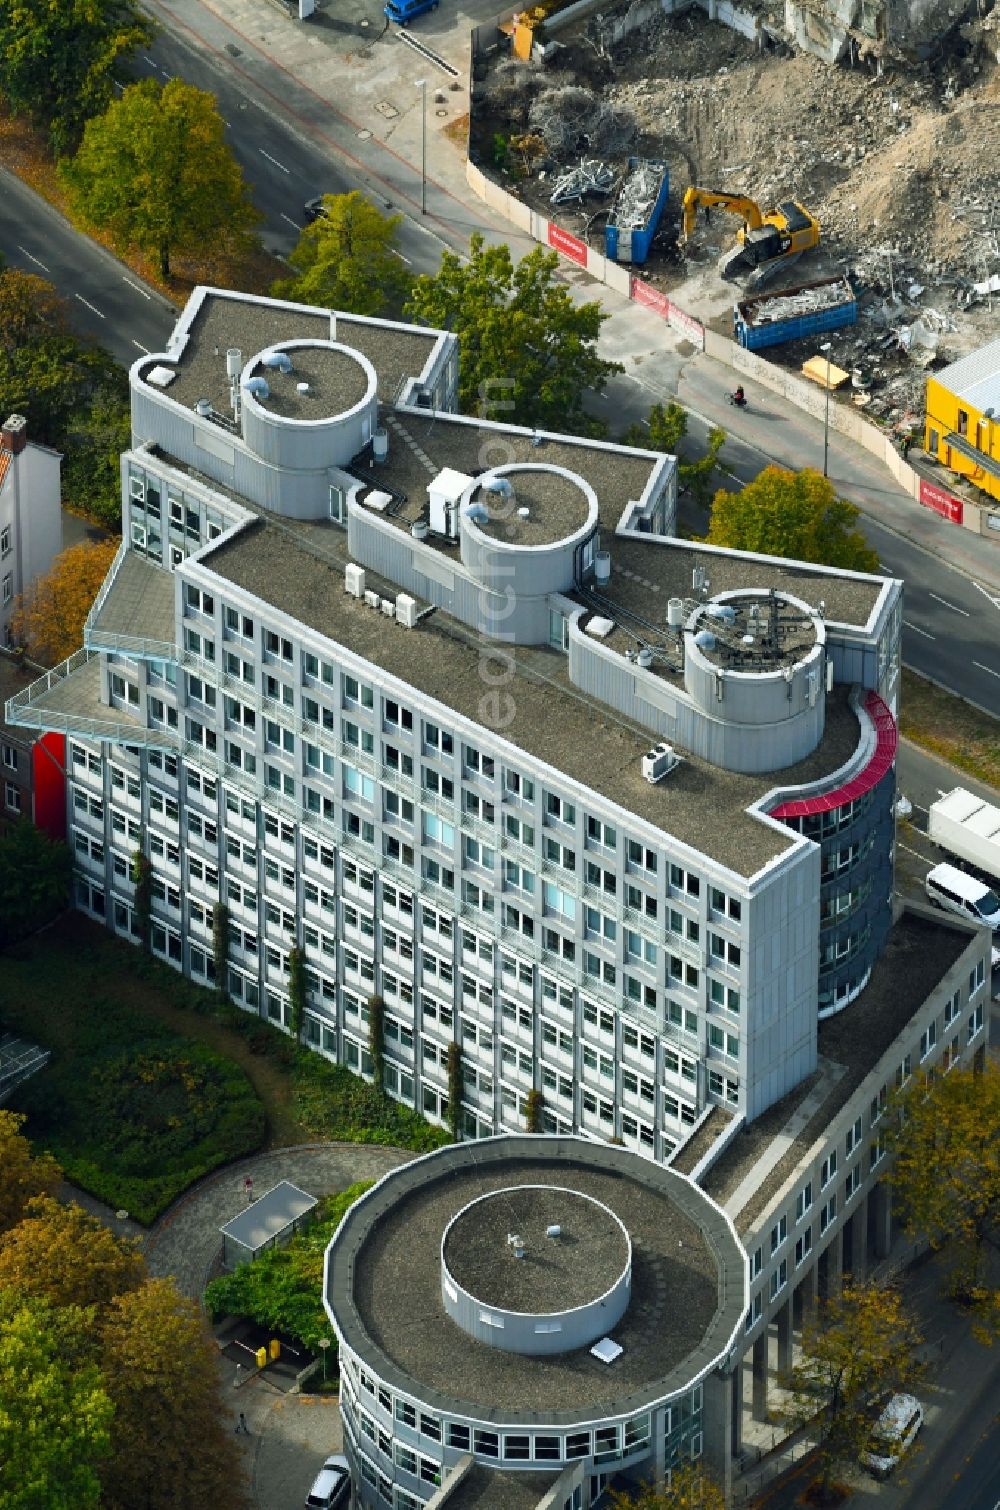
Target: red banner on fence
(652,298)
(570,246)
(941,502)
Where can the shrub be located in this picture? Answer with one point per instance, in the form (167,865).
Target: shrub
(331,1102)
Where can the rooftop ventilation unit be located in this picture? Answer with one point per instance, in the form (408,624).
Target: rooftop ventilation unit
(372,598)
(705,639)
(278,361)
(301,387)
(516,1242)
(160,376)
(477,513)
(657,762)
(607,1350)
(354,580)
(420,529)
(602,567)
(500,487)
(645,657)
(203,407)
(554,1231)
(723,612)
(406,611)
(380,445)
(675,612)
(444,494)
(599,627)
(378,500)
(258,387)
(234,363)
(388,606)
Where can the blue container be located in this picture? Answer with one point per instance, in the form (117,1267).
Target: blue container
(632,244)
(754,334)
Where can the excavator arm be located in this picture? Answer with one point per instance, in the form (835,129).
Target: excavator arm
(735,204)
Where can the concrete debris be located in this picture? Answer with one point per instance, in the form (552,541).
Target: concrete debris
(805,301)
(590,176)
(637,197)
(920,340)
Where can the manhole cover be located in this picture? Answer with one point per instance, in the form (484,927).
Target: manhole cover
(385,109)
(234,52)
(364,135)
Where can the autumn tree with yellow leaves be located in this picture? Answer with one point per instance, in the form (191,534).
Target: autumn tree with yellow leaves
(691,1487)
(48,618)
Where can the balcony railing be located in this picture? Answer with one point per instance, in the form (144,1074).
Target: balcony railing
(50,703)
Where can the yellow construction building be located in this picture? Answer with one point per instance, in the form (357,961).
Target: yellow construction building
(962,427)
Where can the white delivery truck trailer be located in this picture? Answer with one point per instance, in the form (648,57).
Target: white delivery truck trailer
(968,827)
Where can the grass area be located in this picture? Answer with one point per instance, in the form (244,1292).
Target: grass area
(947,726)
(283,1288)
(25,151)
(75,979)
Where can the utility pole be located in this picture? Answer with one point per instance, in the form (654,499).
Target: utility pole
(422,86)
(826,420)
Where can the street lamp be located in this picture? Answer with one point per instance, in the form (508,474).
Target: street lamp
(826,418)
(324,1343)
(422,86)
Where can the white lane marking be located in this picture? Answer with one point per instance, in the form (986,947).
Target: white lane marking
(917,630)
(993,600)
(142,348)
(927,859)
(402,258)
(293,223)
(31,256)
(137,287)
(165,74)
(273,160)
(148,60)
(987,668)
(92,307)
(953,606)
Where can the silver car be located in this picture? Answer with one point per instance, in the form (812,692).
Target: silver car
(332,1485)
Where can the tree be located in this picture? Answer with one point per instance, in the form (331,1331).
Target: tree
(142,880)
(65,1256)
(376,1037)
(666,429)
(860,1344)
(55,1412)
(946,1175)
(48,618)
(171,1446)
(347,259)
(534,1108)
(791,514)
(58,60)
(691,1488)
(155,170)
(35,873)
(23,1175)
(527,353)
(456,1084)
(296,990)
(220,946)
(92,440)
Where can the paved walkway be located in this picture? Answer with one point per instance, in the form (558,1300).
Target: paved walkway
(289,1434)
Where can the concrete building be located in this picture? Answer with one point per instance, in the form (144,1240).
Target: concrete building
(30,518)
(442,702)
(962,425)
(474,1292)
(32,764)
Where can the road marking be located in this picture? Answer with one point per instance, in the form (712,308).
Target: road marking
(993,600)
(953,606)
(273,160)
(927,859)
(92,307)
(402,258)
(987,668)
(137,287)
(31,256)
(142,348)
(917,630)
(149,60)
(293,223)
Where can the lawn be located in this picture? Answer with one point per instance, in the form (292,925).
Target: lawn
(951,728)
(147,1066)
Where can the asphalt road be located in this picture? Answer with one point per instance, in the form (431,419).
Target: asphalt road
(967,1477)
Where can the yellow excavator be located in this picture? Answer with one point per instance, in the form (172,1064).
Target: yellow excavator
(766,243)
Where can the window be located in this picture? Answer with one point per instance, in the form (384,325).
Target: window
(10,757)
(827,1214)
(975,1023)
(12,797)
(778,1233)
(853,1138)
(557,810)
(601,833)
(8,586)
(5,540)
(928,1041)
(779,1278)
(828,1170)
(516,785)
(803,1200)
(803,1245)
(438,739)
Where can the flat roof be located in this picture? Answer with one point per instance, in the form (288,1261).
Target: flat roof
(919,952)
(544,507)
(579,1265)
(335,383)
(269,1215)
(484,1488)
(975,378)
(384,1284)
(224,320)
(299,570)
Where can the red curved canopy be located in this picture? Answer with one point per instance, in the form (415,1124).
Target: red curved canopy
(884,753)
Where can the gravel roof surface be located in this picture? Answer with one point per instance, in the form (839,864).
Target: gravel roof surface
(557,507)
(337,382)
(485,1488)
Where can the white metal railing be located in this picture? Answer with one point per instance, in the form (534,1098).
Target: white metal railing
(105,588)
(18,711)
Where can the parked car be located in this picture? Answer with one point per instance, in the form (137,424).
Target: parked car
(313,208)
(404,11)
(332,1485)
(893,1434)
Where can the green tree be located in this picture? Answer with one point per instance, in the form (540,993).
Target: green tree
(691,1488)
(791,514)
(527,353)
(376,1037)
(861,1343)
(220,946)
(946,1176)
(142,880)
(347,259)
(59,59)
(65,1256)
(92,440)
(55,1413)
(23,1174)
(296,990)
(665,431)
(171,1446)
(534,1108)
(34,880)
(156,171)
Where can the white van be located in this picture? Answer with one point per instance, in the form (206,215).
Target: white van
(973,900)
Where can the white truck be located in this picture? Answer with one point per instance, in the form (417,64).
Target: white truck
(968,827)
